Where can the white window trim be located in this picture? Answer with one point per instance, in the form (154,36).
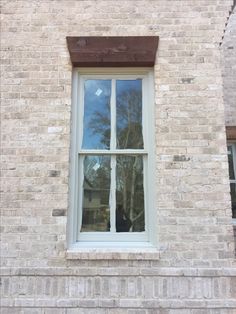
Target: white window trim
(233,145)
(139,239)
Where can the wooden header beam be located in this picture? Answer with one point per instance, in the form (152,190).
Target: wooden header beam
(231,132)
(131,51)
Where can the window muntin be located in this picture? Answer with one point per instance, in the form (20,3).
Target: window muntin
(232,176)
(118,157)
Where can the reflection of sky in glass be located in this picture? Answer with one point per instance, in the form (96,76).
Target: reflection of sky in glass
(96,133)
(129,113)
(125,85)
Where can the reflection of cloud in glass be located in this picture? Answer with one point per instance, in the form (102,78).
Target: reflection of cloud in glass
(96,114)
(93,85)
(96,166)
(98,92)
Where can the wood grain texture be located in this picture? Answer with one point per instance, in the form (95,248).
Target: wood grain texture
(231,132)
(132,51)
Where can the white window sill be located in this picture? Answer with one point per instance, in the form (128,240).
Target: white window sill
(113,253)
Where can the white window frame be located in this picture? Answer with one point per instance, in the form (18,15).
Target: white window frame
(111,239)
(233,145)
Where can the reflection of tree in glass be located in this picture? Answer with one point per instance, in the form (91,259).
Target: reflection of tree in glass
(130,194)
(129,189)
(129,119)
(97,95)
(100,124)
(96,190)
(129,169)
(97,171)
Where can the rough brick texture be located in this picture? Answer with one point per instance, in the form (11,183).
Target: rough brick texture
(193,201)
(229,74)
(229,70)
(142,288)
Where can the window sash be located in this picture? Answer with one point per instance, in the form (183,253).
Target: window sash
(113,152)
(113,79)
(113,236)
(89,236)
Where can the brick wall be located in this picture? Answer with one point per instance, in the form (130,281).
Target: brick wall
(229,74)
(229,70)
(193,201)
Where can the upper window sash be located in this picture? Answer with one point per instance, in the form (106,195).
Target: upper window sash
(81,103)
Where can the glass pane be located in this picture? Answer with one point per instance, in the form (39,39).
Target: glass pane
(96,191)
(97,129)
(231,165)
(129,194)
(233,198)
(129,113)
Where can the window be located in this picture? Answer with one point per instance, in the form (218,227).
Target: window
(112,181)
(232,176)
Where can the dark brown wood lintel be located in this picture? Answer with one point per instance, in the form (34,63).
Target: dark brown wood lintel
(132,51)
(231,132)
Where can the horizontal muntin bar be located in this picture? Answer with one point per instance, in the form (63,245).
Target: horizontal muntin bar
(112,152)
